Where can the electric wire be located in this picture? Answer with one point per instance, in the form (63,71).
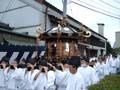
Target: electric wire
(109,4)
(7,7)
(117,1)
(13,9)
(98,8)
(95,10)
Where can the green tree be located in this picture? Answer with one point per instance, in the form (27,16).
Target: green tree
(116,50)
(109,49)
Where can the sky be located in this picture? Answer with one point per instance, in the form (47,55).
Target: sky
(91,18)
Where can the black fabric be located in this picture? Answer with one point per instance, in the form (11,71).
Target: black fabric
(43,70)
(85,58)
(12,67)
(6,59)
(1,67)
(29,68)
(19,56)
(10,48)
(29,55)
(18,48)
(31,61)
(21,66)
(74,60)
(64,62)
(43,63)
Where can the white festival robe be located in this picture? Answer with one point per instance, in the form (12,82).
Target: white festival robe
(113,66)
(75,82)
(2,80)
(61,79)
(99,69)
(20,78)
(11,79)
(106,70)
(41,82)
(51,80)
(29,80)
(89,75)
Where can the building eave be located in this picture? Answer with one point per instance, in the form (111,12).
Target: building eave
(16,33)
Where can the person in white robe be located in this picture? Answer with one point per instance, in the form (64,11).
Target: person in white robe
(51,79)
(2,79)
(28,83)
(108,63)
(62,76)
(88,73)
(40,79)
(11,76)
(113,65)
(99,68)
(20,76)
(41,82)
(106,67)
(61,79)
(75,80)
(96,66)
(118,63)
(3,68)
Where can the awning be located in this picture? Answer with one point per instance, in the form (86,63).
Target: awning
(19,52)
(2,54)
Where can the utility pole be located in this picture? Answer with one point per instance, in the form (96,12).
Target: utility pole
(64,16)
(64,8)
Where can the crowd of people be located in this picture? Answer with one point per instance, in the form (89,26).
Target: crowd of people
(75,73)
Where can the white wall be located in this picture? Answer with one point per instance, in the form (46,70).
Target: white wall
(31,31)
(22,17)
(12,4)
(7,5)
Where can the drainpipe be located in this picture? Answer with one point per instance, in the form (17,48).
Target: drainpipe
(46,13)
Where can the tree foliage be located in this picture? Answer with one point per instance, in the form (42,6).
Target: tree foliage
(109,49)
(116,50)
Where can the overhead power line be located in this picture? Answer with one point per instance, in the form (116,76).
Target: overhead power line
(13,9)
(95,10)
(109,4)
(7,7)
(117,1)
(98,8)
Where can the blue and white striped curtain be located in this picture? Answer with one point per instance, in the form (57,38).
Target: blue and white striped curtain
(19,52)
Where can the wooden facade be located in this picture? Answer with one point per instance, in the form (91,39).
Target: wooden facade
(60,45)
